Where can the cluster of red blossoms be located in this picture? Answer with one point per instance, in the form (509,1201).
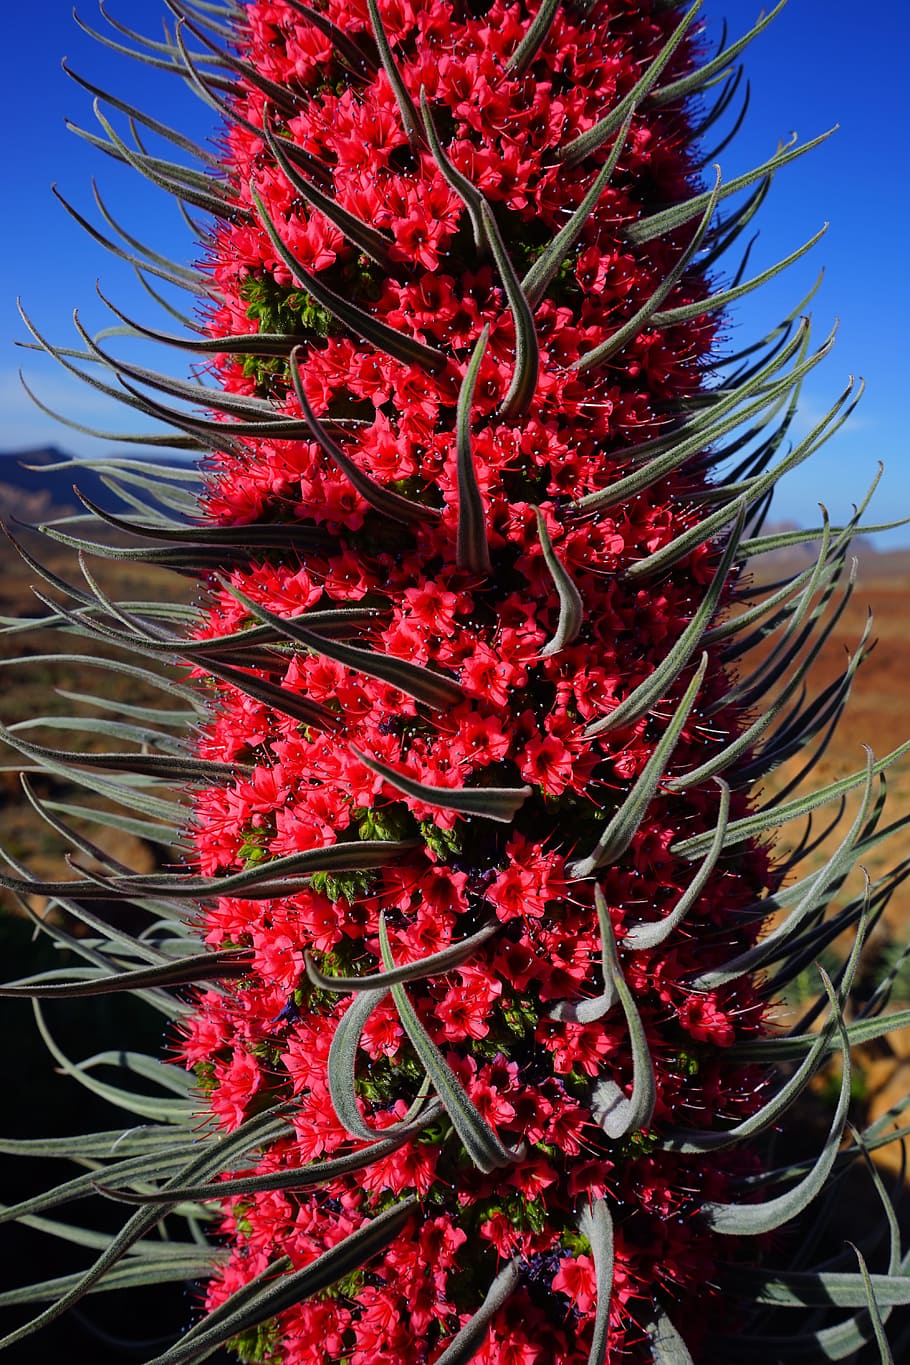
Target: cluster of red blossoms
(527,1066)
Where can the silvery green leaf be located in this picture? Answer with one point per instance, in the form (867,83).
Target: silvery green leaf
(189,1265)
(435,964)
(469,194)
(385,500)
(286,1290)
(597,1225)
(199,967)
(704,75)
(623,826)
(753,1220)
(672,317)
(395,343)
(216,1155)
(480,1142)
(667,1346)
(406,107)
(534,38)
(469,1338)
(641,700)
(770,947)
(770,816)
(644,936)
(366,238)
(616,1113)
(644,316)
(595,137)
(473,550)
(489,803)
(667,220)
(523,383)
(587,1011)
(424,684)
(300,1177)
(542,272)
(571,605)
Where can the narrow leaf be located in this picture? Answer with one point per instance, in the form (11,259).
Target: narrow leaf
(595,137)
(571,605)
(523,384)
(534,38)
(424,684)
(385,500)
(620,831)
(753,1220)
(649,692)
(490,803)
(597,1225)
(407,349)
(480,1142)
(435,964)
(617,1114)
(409,115)
(473,550)
(468,1340)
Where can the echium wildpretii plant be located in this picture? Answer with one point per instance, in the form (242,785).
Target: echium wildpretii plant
(469,962)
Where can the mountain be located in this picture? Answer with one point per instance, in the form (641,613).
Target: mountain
(32,489)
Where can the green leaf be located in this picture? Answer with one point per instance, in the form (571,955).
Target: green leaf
(645,936)
(473,550)
(434,964)
(470,196)
(597,1225)
(385,500)
(469,1338)
(771,816)
(595,137)
(616,1113)
(667,1346)
(300,1177)
(366,238)
(409,115)
(289,1289)
(543,271)
(218,1154)
(407,349)
(424,684)
(480,1142)
(341,1071)
(534,38)
(195,1264)
(644,316)
(667,220)
(622,828)
(703,75)
(649,692)
(571,605)
(753,1220)
(672,317)
(489,803)
(769,949)
(199,967)
(523,384)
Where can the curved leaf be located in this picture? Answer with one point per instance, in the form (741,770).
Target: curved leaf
(490,803)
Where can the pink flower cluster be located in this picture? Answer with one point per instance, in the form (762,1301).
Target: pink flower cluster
(524,713)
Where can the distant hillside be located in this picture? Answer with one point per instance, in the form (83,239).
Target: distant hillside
(31,491)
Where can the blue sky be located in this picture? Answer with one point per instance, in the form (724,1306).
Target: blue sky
(816,65)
